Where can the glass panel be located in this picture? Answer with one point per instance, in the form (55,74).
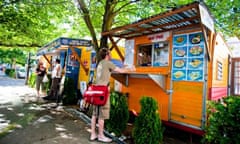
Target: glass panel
(160,54)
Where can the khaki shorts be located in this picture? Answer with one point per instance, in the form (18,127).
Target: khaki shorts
(39,82)
(104,111)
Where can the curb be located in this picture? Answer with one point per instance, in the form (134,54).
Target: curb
(87,120)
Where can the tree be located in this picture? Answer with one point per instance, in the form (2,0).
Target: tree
(226,15)
(12,56)
(33,23)
(112,13)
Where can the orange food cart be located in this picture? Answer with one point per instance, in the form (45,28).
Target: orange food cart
(180,60)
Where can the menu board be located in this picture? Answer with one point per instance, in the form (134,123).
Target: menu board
(188,57)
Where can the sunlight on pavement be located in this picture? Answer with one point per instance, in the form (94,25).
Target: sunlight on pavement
(43,119)
(10,95)
(3,123)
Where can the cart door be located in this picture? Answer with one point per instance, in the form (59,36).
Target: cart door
(72,69)
(187,103)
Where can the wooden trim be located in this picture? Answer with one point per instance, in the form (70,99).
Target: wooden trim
(116,43)
(206,41)
(116,47)
(79,60)
(47,59)
(210,41)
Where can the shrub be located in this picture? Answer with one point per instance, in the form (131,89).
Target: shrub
(32,80)
(223,121)
(10,73)
(147,126)
(69,92)
(119,114)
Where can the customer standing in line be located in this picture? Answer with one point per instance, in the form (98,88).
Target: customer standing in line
(103,73)
(40,71)
(56,78)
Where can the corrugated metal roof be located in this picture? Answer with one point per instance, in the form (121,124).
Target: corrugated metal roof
(185,16)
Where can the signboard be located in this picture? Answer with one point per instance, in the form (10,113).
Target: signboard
(188,57)
(206,19)
(158,37)
(129,53)
(63,41)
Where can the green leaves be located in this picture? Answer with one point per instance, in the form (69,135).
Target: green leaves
(148,126)
(119,114)
(223,122)
(33,23)
(11,55)
(227,16)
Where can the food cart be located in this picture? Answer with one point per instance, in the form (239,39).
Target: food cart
(180,61)
(74,57)
(77,58)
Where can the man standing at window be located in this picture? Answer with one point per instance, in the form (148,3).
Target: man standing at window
(103,73)
(56,78)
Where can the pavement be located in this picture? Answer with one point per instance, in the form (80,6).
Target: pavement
(25,119)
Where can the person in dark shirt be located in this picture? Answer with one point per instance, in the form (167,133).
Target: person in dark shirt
(40,71)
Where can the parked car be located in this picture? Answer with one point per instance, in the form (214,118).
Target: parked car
(21,72)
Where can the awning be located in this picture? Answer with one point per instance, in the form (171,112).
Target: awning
(186,16)
(62,43)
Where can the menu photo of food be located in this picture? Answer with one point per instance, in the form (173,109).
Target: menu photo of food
(179,63)
(196,38)
(195,75)
(180,51)
(195,50)
(195,63)
(179,75)
(180,40)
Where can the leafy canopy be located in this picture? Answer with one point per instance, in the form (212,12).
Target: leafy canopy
(33,23)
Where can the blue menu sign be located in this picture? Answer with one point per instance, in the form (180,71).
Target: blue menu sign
(188,57)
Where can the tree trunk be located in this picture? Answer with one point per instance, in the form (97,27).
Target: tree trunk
(83,9)
(108,18)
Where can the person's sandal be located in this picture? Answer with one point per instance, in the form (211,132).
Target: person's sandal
(104,139)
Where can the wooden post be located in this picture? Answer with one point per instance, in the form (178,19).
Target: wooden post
(28,67)
(116,47)
(79,59)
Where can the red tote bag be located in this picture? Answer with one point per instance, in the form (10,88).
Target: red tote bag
(96,94)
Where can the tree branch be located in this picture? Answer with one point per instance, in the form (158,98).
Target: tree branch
(19,45)
(123,6)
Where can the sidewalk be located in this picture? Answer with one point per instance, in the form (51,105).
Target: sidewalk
(30,121)
(27,120)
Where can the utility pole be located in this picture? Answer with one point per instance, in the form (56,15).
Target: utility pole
(28,67)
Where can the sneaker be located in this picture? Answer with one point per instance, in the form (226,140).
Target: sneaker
(93,138)
(104,139)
